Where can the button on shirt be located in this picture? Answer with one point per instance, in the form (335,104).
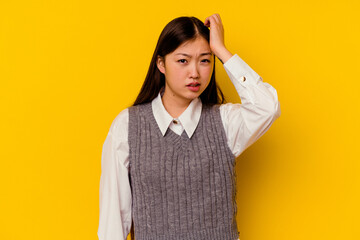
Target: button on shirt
(243,123)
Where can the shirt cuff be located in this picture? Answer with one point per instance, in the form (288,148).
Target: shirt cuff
(240,71)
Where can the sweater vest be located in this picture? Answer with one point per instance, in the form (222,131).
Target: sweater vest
(182,188)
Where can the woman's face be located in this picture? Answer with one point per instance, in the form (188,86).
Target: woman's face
(187,70)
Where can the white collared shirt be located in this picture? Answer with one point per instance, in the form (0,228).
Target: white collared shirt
(243,123)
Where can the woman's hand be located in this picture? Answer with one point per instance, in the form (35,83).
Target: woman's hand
(217,44)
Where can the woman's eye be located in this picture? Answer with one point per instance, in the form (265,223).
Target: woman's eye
(184,60)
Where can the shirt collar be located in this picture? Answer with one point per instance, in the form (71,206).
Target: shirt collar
(189,118)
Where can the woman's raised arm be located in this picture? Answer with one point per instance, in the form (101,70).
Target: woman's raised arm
(246,122)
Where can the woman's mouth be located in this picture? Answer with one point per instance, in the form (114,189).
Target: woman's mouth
(193,86)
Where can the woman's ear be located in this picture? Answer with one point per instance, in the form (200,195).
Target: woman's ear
(160,62)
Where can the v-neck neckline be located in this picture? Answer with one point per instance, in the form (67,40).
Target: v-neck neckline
(171,134)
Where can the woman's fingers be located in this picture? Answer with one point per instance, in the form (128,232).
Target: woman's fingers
(216,33)
(216,18)
(213,20)
(219,18)
(207,22)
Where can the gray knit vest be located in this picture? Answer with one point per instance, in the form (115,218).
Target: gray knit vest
(182,188)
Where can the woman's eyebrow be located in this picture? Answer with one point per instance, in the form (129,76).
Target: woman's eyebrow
(187,55)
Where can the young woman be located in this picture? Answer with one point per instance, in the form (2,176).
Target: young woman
(168,161)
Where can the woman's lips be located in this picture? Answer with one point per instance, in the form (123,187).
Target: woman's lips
(193,86)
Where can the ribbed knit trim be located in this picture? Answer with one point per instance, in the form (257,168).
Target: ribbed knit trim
(220,233)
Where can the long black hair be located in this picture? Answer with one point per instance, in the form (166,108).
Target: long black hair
(175,33)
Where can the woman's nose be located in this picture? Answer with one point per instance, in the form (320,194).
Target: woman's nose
(194,73)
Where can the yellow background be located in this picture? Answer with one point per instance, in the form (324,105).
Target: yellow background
(67,68)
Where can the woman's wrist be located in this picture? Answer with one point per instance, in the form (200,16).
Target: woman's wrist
(223,55)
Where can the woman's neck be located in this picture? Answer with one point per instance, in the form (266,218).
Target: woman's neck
(174,106)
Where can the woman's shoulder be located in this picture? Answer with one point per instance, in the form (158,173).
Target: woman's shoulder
(121,118)
(119,126)
(143,109)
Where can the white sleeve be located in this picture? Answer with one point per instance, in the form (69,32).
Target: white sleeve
(115,192)
(246,122)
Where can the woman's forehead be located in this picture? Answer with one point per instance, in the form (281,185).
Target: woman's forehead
(199,46)
(199,41)
(206,53)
